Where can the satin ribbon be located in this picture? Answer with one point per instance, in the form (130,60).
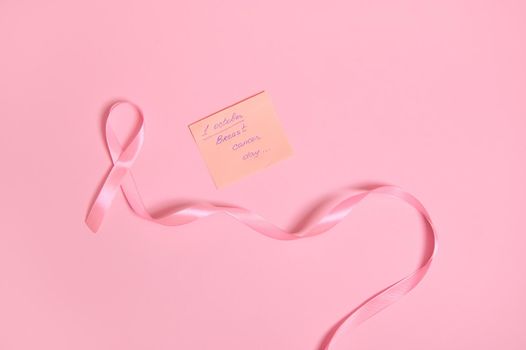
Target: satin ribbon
(121,176)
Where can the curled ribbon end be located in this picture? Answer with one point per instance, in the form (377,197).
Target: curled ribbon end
(94,219)
(94,227)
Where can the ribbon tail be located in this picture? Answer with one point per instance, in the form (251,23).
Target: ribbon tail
(105,197)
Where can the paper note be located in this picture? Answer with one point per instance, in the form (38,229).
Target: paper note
(241,139)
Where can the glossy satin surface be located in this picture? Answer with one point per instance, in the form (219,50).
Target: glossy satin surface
(121,176)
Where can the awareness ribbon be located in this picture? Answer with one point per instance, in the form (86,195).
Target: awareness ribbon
(120,176)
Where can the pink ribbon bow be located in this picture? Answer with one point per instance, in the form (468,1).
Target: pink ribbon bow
(120,176)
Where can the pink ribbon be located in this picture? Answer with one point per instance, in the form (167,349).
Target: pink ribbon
(121,176)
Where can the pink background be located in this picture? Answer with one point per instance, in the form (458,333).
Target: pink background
(426,95)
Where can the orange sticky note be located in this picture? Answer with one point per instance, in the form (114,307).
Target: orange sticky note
(241,139)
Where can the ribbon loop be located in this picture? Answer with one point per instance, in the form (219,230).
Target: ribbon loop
(121,176)
(122,161)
